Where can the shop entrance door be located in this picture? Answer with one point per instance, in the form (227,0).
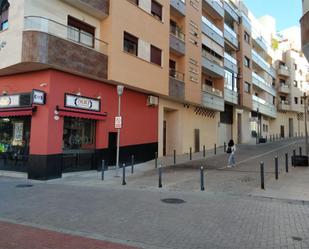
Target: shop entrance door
(14,143)
(112,148)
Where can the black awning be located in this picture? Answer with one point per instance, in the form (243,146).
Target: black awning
(4,5)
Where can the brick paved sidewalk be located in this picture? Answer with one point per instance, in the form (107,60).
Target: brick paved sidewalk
(14,236)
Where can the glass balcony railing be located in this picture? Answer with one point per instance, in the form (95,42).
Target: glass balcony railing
(45,25)
(230,58)
(263,64)
(219,3)
(211,90)
(263,106)
(263,84)
(176,31)
(230,31)
(212,26)
(176,75)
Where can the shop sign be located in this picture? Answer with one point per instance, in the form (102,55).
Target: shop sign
(85,103)
(7,101)
(118,122)
(38,97)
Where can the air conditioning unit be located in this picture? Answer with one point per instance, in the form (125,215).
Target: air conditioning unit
(152,101)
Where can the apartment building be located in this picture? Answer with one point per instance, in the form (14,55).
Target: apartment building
(304,22)
(195,73)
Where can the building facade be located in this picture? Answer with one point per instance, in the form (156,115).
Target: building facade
(195,73)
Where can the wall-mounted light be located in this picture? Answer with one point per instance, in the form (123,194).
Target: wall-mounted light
(78,94)
(43,84)
(99,97)
(4,92)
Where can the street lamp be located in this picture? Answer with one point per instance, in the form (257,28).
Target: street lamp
(306,130)
(119,92)
(258,127)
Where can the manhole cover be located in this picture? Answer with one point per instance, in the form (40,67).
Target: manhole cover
(24,186)
(297,238)
(173,201)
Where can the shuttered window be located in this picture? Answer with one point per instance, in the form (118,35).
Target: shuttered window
(156,10)
(156,55)
(130,44)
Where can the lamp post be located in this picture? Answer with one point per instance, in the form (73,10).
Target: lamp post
(258,127)
(305,120)
(119,92)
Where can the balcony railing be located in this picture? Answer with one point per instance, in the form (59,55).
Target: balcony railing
(176,31)
(179,5)
(212,58)
(231,31)
(212,26)
(263,84)
(176,75)
(246,22)
(230,58)
(231,96)
(263,64)
(211,90)
(264,107)
(45,25)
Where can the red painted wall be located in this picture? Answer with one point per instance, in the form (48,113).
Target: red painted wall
(140,122)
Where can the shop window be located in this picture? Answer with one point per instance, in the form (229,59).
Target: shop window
(156,55)
(156,10)
(78,134)
(81,32)
(4,15)
(130,44)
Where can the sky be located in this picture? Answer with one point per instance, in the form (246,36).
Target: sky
(286,12)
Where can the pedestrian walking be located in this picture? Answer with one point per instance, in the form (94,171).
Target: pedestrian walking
(231,151)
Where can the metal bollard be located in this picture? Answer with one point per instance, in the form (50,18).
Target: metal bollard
(215,150)
(286,162)
(276,168)
(160,176)
(202,178)
(224,147)
(124,174)
(156,160)
(262,175)
(132,164)
(190,153)
(300,150)
(174,157)
(294,152)
(204,151)
(103,169)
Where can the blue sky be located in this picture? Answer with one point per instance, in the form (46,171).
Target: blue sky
(286,12)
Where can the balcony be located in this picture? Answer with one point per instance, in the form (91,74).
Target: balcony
(176,84)
(263,64)
(177,41)
(209,29)
(211,65)
(49,44)
(263,107)
(216,6)
(283,88)
(246,22)
(179,6)
(212,98)
(230,62)
(97,8)
(231,96)
(230,9)
(230,36)
(260,41)
(284,105)
(283,71)
(262,84)
(304,23)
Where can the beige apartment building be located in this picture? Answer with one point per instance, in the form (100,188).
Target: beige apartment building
(304,22)
(195,73)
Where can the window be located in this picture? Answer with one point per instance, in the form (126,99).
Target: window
(247,87)
(81,32)
(274,100)
(295,66)
(130,43)
(247,37)
(4,15)
(156,55)
(296,100)
(156,10)
(230,81)
(134,2)
(295,83)
(247,62)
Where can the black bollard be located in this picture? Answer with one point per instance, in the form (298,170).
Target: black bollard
(262,175)
(132,164)
(204,151)
(215,150)
(300,151)
(294,152)
(202,179)
(156,160)
(103,169)
(190,153)
(224,147)
(124,174)
(276,168)
(160,176)
(174,157)
(286,163)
